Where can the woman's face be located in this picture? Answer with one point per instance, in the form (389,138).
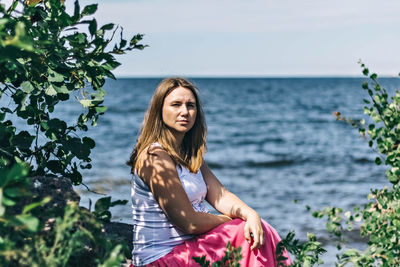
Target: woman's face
(179,110)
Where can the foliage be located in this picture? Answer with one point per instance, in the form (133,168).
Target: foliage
(231,258)
(334,222)
(384,133)
(102,206)
(14,185)
(380,217)
(66,241)
(44,60)
(46,57)
(306,253)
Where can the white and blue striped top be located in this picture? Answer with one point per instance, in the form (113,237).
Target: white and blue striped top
(153,234)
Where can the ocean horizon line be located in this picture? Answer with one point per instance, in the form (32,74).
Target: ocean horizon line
(253,76)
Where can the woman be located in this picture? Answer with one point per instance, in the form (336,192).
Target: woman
(171,183)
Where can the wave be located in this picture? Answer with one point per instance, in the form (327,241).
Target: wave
(363,160)
(214,165)
(272,163)
(253,164)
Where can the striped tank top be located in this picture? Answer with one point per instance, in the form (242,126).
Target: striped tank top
(153,234)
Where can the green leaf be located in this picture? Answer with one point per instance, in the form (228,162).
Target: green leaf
(27,87)
(44,125)
(8,201)
(135,39)
(36,204)
(122,43)
(108,26)
(29,221)
(110,65)
(18,171)
(54,76)
(89,142)
(370,143)
(101,109)
(93,27)
(6,110)
(89,10)
(104,215)
(77,148)
(23,139)
(115,259)
(86,103)
(14,191)
(76,15)
(392,177)
(55,127)
(50,90)
(55,166)
(12,7)
(87,166)
(57,124)
(365,71)
(102,204)
(118,202)
(61,89)
(20,98)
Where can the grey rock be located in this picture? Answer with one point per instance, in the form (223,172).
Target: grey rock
(121,231)
(58,189)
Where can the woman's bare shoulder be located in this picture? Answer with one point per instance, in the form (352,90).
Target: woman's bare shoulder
(153,160)
(152,153)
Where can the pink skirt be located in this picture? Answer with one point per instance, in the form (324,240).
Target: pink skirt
(213,245)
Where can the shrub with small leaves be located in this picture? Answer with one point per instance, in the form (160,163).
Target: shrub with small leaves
(48,56)
(380,217)
(306,253)
(44,60)
(231,258)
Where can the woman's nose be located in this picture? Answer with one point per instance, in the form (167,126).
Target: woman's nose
(184,110)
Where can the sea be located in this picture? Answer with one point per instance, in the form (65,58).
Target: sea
(274,142)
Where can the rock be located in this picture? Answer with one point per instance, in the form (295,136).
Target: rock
(61,192)
(122,232)
(58,189)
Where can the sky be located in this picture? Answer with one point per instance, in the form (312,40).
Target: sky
(241,38)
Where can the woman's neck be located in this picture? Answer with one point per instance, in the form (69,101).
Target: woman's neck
(177,139)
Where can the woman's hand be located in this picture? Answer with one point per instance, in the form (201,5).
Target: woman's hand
(253,230)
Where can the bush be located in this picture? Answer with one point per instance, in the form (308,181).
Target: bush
(74,239)
(45,59)
(380,217)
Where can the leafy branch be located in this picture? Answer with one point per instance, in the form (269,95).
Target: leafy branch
(44,58)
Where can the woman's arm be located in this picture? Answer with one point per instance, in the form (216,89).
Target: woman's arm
(229,204)
(158,171)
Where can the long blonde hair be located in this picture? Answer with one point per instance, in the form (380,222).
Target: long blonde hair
(154,130)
